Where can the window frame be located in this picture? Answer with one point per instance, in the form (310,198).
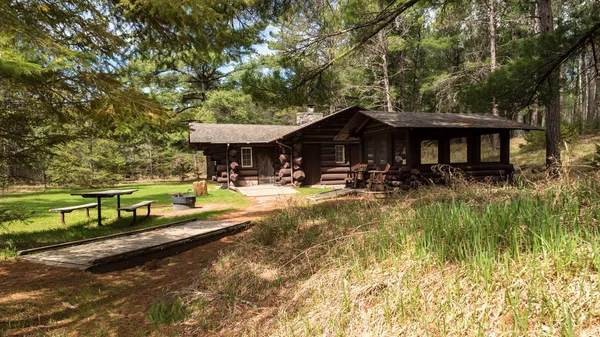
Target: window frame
(467,149)
(437,151)
(335,153)
(242,156)
(495,153)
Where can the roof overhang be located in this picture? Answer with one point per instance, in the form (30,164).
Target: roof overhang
(422,120)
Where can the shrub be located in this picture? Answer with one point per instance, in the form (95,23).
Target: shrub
(167,311)
(596,159)
(537,140)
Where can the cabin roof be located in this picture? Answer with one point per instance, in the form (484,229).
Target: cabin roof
(320,121)
(211,133)
(445,120)
(423,120)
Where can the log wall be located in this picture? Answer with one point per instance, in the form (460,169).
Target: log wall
(333,173)
(238,175)
(291,165)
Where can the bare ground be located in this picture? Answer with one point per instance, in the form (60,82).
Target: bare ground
(44,300)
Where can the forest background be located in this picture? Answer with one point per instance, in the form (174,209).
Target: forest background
(95,92)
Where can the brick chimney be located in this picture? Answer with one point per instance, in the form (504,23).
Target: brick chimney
(308,116)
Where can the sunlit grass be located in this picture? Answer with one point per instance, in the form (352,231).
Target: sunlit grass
(43,227)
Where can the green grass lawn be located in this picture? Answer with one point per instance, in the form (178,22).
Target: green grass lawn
(43,227)
(308,191)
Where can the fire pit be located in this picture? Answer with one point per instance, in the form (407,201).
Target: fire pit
(183,201)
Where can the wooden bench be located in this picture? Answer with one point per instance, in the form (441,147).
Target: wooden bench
(133,208)
(64,210)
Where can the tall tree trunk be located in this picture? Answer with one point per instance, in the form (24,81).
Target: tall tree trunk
(415,81)
(579,104)
(332,89)
(591,90)
(402,84)
(519,115)
(535,114)
(383,48)
(494,63)
(553,103)
(582,88)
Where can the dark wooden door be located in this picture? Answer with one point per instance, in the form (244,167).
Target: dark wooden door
(376,152)
(311,154)
(354,150)
(264,164)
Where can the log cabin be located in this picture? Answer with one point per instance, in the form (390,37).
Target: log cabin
(323,150)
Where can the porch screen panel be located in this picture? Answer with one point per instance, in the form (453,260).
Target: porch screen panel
(382,151)
(370,151)
(399,149)
(458,150)
(490,152)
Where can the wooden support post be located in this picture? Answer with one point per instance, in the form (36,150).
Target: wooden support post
(474,149)
(505,147)
(390,147)
(87,213)
(413,148)
(118,206)
(99,212)
(62,219)
(444,151)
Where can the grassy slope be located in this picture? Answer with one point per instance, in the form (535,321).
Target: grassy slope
(473,259)
(44,227)
(577,154)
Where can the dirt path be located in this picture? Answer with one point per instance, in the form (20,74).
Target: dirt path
(44,300)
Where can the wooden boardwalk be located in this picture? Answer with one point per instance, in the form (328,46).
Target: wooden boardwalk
(128,249)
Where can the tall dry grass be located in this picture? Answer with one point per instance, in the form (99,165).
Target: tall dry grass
(468,258)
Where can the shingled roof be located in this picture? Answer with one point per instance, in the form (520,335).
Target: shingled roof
(445,120)
(416,120)
(237,133)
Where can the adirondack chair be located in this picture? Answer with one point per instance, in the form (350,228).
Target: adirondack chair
(377,179)
(356,176)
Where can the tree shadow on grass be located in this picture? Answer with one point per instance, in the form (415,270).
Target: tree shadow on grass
(43,299)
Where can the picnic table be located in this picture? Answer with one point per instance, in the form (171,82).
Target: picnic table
(106,194)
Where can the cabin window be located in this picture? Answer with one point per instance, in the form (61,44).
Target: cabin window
(490,152)
(429,152)
(370,151)
(376,151)
(458,150)
(246,157)
(399,150)
(382,152)
(340,154)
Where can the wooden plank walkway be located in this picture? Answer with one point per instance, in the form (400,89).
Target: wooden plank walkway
(332,194)
(129,249)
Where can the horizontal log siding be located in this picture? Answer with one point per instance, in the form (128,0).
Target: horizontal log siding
(333,173)
(341,169)
(326,131)
(248,172)
(375,127)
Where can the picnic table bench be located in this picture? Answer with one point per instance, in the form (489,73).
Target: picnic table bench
(133,208)
(64,210)
(106,194)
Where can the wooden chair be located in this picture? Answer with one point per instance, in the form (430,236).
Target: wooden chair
(377,178)
(356,176)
